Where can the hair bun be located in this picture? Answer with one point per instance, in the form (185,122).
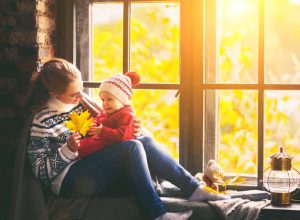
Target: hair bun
(134,77)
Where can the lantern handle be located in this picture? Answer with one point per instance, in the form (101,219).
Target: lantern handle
(297,189)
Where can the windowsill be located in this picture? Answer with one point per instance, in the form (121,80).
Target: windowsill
(291,212)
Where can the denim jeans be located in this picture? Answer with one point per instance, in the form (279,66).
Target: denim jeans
(164,166)
(131,159)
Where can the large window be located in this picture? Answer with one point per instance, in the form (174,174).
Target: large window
(120,36)
(234,63)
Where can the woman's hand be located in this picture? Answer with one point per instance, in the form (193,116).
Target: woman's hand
(73,142)
(137,127)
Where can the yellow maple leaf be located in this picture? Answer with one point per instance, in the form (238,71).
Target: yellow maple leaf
(210,190)
(80,122)
(234,181)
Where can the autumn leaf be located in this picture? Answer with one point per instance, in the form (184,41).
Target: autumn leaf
(210,190)
(80,122)
(234,181)
(218,178)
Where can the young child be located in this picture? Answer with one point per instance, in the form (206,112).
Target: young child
(115,124)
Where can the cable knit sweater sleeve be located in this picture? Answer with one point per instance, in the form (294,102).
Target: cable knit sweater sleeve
(47,150)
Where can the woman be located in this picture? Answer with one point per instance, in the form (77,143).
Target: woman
(52,149)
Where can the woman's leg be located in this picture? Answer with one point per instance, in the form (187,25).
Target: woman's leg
(167,168)
(93,174)
(163,165)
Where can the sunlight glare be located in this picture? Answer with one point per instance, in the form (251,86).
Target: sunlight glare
(238,8)
(294,2)
(105,13)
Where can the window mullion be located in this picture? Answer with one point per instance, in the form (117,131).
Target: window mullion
(261,73)
(211,71)
(160,86)
(185,98)
(191,90)
(83,41)
(66,30)
(126,36)
(198,91)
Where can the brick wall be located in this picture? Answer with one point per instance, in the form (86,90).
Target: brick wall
(27,35)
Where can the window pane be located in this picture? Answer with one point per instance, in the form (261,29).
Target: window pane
(107,44)
(282,124)
(232,47)
(158,111)
(162,122)
(154,38)
(237,145)
(282,41)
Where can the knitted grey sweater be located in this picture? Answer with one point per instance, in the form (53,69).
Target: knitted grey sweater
(49,156)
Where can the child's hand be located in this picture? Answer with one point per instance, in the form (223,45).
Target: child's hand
(95,131)
(137,127)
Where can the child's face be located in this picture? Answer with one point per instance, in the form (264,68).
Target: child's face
(109,102)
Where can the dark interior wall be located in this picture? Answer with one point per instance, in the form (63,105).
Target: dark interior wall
(27,36)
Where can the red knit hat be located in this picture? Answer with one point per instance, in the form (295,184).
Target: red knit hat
(120,85)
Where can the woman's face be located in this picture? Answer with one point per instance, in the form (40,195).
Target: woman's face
(72,94)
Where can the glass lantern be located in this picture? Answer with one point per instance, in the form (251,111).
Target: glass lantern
(281,179)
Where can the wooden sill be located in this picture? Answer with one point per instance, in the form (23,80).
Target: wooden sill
(271,212)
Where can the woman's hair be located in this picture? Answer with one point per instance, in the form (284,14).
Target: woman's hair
(54,76)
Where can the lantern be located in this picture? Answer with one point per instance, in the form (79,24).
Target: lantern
(281,179)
